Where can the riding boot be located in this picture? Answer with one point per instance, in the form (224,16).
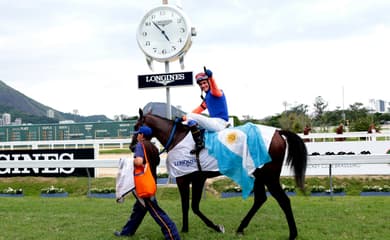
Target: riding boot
(197,135)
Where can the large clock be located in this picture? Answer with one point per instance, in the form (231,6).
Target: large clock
(164,33)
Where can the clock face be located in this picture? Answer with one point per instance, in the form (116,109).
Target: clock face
(164,33)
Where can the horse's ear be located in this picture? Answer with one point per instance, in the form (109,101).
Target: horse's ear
(141,113)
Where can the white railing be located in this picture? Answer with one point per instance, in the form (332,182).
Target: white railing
(85,163)
(351,159)
(362,136)
(113,163)
(101,143)
(331,160)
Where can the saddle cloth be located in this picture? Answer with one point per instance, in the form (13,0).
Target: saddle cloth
(235,152)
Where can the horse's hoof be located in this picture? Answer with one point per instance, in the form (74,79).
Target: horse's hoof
(240,233)
(221,228)
(184,230)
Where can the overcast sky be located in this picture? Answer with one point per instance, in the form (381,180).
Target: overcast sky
(83,54)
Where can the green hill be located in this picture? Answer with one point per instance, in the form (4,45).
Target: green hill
(31,111)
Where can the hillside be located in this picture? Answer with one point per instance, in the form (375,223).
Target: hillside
(31,111)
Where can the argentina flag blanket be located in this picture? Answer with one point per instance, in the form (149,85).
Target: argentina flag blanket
(239,151)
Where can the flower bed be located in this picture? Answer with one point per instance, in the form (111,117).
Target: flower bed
(165,181)
(10,192)
(162,178)
(53,192)
(375,190)
(232,194)
(232,191)
(235,191)
(323,194)
(318,191)
(102,193)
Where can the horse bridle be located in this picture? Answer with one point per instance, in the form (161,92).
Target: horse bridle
(170,140)
(171,135)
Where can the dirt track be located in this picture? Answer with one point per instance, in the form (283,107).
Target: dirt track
(109,172)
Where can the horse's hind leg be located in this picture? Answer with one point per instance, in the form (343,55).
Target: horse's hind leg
(183,185)
(197,189)
(259,200)
(284,202)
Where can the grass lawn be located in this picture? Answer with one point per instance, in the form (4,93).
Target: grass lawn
(80,217)
(349,217)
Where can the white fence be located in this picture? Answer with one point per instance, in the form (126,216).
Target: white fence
(362,136)
(328,161)
(96,143)
(376,163)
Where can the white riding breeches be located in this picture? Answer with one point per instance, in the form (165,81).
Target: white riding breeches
(208,123)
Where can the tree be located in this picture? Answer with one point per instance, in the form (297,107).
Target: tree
(294,121)
(382,117)
(356,111)
(300,109)
(319,107)
(272,121)
(360,124)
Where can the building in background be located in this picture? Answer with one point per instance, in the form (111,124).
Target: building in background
(18,121)
(378,105)
(50,113)
(6,117)
(67,131)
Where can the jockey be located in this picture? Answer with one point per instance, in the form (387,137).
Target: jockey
(215,101)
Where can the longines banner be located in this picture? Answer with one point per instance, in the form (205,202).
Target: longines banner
(46,154)
(165,80)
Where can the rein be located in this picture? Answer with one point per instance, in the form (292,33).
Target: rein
(170,139)
(171,136)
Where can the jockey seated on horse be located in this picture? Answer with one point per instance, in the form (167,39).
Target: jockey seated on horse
(215,101)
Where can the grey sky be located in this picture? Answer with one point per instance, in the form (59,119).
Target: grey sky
(82,54)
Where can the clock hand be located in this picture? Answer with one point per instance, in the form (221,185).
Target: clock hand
(162,31)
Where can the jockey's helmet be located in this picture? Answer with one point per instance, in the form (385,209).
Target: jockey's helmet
(200,77)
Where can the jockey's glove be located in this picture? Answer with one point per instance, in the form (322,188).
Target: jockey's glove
(208,72)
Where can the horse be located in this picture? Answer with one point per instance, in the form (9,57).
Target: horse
(170,132)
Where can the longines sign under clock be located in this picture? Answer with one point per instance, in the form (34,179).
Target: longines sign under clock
(165,80)
(46,155)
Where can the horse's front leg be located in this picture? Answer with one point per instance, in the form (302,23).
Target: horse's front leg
(183,184)
(197,189)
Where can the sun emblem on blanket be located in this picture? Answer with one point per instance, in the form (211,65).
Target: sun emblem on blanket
(231,138)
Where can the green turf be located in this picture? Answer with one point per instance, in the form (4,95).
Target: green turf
(88,218)
(79,217)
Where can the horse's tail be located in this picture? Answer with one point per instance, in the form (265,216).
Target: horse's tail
(297,156)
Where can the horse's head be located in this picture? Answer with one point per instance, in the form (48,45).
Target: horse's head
(162,129)
(138,124)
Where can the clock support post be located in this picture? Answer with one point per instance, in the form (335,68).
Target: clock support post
(168,96)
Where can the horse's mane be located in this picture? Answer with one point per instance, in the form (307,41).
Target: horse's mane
(157,116)
(179,123)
